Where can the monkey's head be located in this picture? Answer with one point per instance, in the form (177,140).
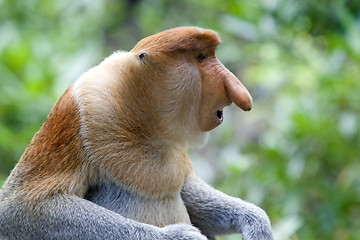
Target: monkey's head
(192,85)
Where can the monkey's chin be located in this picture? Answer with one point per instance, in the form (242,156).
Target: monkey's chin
(199,140)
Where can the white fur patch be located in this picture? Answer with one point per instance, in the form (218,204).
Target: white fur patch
(95,90)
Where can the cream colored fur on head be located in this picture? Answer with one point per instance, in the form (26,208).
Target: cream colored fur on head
(169,103)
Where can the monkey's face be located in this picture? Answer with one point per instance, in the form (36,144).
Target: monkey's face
(219,88)
(193,86)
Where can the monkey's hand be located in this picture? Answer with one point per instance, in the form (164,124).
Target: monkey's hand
(251,221)
(182,232)
(216,213)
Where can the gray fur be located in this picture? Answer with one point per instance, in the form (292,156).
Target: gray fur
(215,213)
(139,207)
(107,208)
(69,217)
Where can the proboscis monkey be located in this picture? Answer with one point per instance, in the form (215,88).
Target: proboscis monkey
(110,161)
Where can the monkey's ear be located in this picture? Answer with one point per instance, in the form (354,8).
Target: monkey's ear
(142,55)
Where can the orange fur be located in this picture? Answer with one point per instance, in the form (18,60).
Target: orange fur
(180,39)
(52,163)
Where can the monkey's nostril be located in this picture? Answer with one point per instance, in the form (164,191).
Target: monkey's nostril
(220,115)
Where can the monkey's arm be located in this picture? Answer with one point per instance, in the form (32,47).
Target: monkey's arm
(214,212)
(69,217)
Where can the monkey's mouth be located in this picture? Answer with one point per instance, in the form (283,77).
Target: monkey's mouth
(212,119)
(220,115)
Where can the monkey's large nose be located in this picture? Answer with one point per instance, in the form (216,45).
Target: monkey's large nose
(237,92)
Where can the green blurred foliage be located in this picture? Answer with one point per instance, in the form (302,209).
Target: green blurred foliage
(296,154)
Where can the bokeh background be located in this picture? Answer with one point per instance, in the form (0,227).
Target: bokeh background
(296,154)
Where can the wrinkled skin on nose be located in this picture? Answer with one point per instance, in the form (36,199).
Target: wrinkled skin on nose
(220,88)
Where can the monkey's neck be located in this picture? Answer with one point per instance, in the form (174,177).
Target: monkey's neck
(154,170)
(146,166)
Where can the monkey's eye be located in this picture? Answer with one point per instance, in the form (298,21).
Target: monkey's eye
(200,57)
(142,55)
